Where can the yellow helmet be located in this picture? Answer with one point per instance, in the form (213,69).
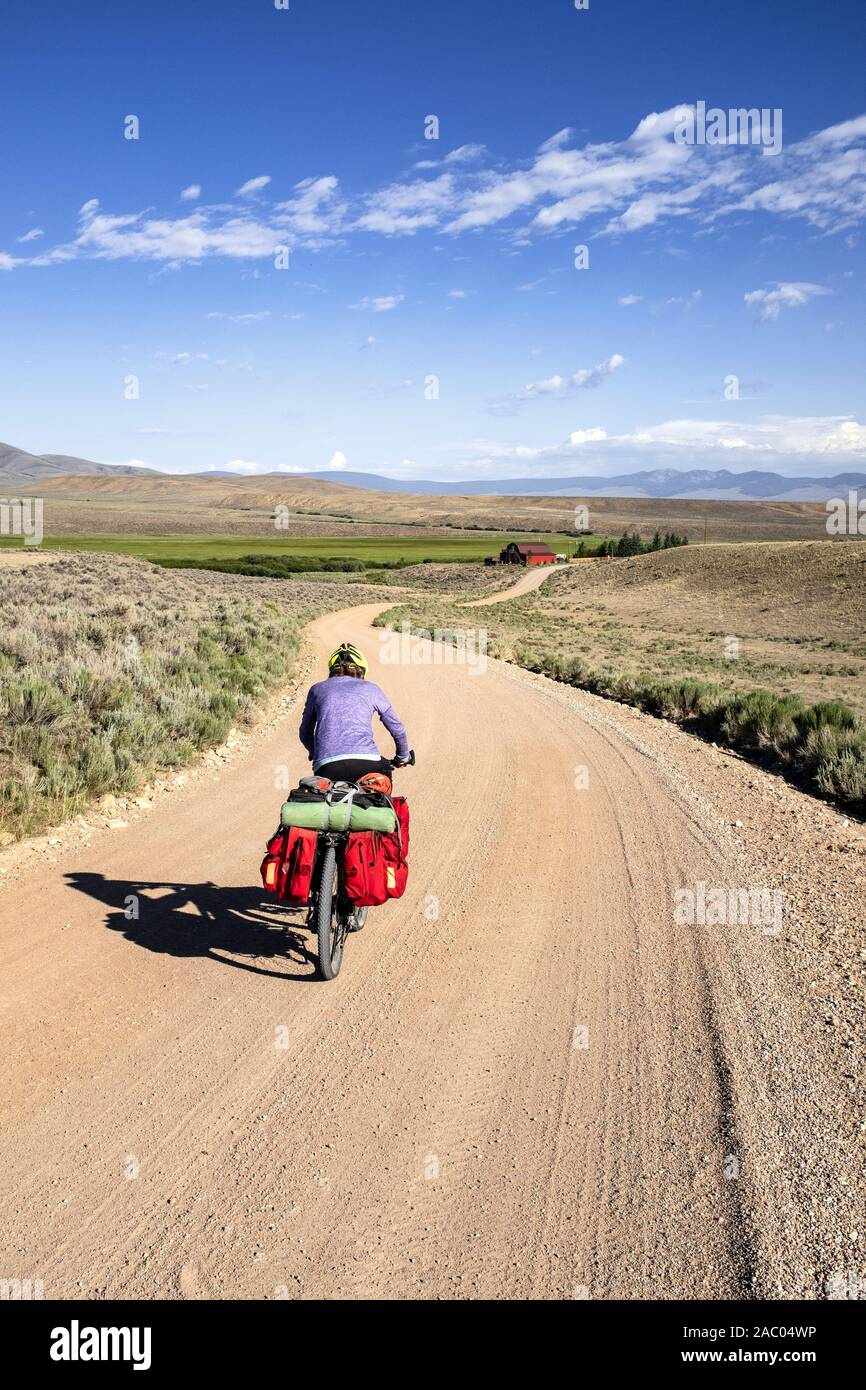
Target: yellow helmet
(347,652)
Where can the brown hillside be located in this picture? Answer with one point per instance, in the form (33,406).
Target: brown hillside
(253,499)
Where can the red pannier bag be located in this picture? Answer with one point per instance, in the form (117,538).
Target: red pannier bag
(374,865)
(364,869)
(287,867)
(401,808)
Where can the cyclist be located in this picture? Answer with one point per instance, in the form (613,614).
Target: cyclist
(337,723)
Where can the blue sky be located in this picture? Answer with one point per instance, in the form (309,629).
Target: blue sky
(452,258)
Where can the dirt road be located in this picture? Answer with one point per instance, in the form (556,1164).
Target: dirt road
(532,579)
(527,1081)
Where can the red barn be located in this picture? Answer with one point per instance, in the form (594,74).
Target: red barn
(527,553)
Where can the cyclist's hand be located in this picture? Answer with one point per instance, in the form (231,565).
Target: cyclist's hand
(406,762)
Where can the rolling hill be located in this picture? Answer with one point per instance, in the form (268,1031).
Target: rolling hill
(17,466)
(696,484)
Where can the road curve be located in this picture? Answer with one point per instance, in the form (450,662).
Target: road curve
(531,579)
(515,1089)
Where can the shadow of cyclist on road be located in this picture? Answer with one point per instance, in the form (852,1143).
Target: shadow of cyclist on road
(234,926)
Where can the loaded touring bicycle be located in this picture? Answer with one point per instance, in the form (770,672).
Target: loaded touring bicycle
(339,849)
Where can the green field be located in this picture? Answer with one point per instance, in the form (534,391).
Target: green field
(372,549)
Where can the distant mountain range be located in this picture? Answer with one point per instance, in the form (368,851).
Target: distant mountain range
(693,484)
(17,468)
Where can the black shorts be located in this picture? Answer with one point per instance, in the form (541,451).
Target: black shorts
(350,769)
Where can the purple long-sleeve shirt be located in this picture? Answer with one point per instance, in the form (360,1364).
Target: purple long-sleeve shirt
(338,721)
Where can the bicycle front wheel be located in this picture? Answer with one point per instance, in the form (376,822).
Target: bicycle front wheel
(331,930)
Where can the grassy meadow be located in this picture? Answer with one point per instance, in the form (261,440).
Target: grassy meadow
(373,551)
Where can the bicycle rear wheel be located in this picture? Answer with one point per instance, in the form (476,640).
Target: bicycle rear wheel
(330,928)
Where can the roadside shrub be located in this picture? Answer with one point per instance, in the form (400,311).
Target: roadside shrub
(822,745)
(842,774)
(34,701)
(112,670)
(760,719)
(832,714)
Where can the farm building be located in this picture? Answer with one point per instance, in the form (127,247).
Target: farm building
(526,553)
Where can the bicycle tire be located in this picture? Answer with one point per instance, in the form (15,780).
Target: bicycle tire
(331,931)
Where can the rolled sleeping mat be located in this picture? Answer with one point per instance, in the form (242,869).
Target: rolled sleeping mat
(320,815)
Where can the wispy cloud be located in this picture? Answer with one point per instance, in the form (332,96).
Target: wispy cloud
(252,186)
(315,210)
(403,209)
(191,193)
(558,387)
(799,442)
(379,304)
(32,235)
(464,154)
(258,316)
(786,295)
(621,187)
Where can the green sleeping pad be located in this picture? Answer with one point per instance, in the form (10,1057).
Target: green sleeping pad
(318,815)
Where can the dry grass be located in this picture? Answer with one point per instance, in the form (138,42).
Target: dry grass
(111,669)
(795,614)
(459,581)
(686,632)
(177,505)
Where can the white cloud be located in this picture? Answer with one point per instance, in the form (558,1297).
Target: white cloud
(315,210)
(190,194)
(338,460)
(798,443)
(556,142)
(242,466)
(559,387)
(464,154)
(456,294)
(253,185)
(687,301)
(591,436)
(630,299)
(256,317)
(32,235)
(626,185)
(380,304)
(786,295)
(131,236)
(406,208)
